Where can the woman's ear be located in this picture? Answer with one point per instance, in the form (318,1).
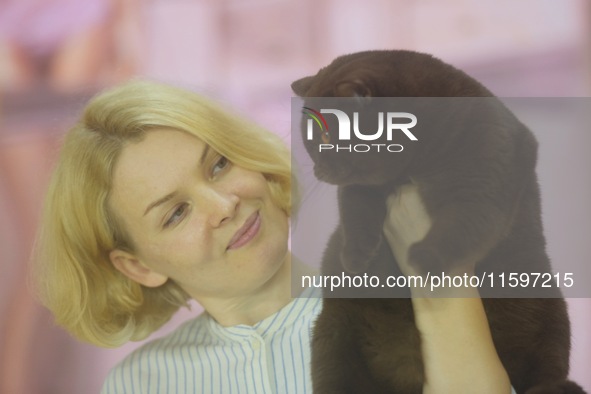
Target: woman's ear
(130,266)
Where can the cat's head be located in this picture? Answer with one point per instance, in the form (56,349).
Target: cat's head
(389,73)
(358,79)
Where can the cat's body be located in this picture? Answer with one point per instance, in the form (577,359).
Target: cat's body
(477,180)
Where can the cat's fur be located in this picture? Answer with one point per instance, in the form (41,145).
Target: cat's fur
(478,183)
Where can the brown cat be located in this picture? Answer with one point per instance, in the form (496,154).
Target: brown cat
(474,165)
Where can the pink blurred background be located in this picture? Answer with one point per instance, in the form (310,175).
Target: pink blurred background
(56,53)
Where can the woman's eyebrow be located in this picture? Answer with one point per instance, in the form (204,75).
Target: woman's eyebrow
(170,196)
(160,201)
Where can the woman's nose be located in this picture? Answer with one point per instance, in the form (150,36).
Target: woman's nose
(222,206)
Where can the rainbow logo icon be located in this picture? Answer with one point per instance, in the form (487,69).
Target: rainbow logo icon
(320,121)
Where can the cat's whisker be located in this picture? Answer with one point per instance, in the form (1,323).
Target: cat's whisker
(309,192)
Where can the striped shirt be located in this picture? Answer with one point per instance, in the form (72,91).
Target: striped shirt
(201,356)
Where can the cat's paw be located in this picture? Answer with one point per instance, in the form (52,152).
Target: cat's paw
(423,259)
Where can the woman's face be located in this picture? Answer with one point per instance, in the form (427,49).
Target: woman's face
(196,218)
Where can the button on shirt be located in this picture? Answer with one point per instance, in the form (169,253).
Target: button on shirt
(201,356)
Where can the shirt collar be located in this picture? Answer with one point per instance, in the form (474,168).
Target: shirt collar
(305,306)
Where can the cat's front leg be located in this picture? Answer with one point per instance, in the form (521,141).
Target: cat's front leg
(362,212)
(461,235)
(468,221)
(484,185)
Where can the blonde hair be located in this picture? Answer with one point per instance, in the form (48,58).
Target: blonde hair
(74,275)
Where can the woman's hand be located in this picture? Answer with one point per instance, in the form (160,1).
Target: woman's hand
(457,347)
(407,222)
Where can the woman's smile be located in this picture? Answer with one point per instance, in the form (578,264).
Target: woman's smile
(247,232)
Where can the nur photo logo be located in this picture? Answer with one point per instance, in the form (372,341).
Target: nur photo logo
(320,121)
(340,139)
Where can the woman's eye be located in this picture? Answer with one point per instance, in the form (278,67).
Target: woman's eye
(178,214)
(219,165)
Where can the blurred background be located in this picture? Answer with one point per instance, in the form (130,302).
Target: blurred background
(54,54)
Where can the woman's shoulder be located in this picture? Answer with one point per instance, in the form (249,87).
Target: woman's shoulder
(158,357)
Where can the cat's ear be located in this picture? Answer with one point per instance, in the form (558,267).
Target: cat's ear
(302,85)
(352,88)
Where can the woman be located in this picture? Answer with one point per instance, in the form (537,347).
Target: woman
(160,196)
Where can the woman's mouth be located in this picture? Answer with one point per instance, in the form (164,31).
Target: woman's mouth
(247,232)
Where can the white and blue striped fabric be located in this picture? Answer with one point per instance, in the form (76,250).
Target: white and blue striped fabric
(272,357)
(203,357)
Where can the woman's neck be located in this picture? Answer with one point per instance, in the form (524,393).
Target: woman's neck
(260,303)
